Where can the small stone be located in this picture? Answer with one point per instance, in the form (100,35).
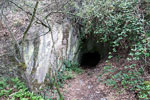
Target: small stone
(97,92)
(89,86)
(103,99)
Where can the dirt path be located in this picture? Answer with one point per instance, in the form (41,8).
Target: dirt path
(87,87)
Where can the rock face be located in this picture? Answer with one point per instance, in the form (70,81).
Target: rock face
(46,54)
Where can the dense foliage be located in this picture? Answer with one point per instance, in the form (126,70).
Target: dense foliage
(119,23)
(124,26)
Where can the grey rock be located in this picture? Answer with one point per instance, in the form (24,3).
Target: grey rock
(47,53)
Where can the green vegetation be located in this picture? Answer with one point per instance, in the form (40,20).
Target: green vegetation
(54,84)
(69,71)
(14,89)
(124,25)
(128,78)
(73,66)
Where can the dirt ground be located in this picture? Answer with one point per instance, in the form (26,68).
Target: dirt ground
(87,87)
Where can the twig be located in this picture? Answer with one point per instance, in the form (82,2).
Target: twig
(13,37)
(27,12)
(32,19)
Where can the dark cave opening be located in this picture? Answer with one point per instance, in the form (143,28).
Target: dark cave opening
(91,52)
(89,59)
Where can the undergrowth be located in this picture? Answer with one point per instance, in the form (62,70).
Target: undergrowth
(14,89)
(128,77)
(68,71)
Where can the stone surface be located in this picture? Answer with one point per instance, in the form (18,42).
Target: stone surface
(47,53)
(103,99)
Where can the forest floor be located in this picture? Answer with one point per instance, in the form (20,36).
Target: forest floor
(86,86)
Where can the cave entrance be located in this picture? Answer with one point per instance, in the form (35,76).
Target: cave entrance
(90,59)
(91,53)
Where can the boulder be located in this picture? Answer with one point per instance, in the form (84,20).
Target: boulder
(46,53)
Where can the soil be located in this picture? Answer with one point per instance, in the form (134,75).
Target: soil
(86,86)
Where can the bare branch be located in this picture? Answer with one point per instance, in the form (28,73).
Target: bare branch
(32,19)
(28,12)
(13,38)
